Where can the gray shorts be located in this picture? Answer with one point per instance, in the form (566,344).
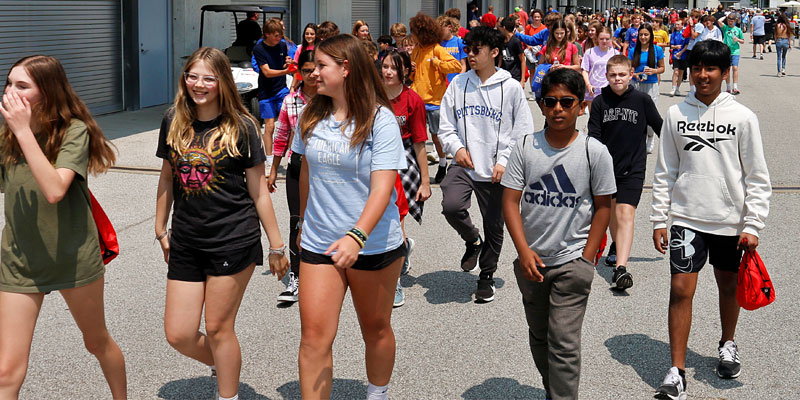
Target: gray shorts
(433,121)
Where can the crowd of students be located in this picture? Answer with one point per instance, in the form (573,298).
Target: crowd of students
(354,121)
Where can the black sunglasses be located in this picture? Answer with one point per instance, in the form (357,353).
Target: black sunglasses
(472,50)
(566,102)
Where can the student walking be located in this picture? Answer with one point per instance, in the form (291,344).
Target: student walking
(351,236)
(483,113)
(679,56)
(783,36)
(285,127)
(711,179)
(648,64)
(620,118)
(413,184)
(49,143)
(594,62)
(213,174)
(430,65)
(732,36)
(758,33)
(565,179)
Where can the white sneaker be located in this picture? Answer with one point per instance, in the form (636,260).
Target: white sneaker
(290,294)
(677,92)
(673,388)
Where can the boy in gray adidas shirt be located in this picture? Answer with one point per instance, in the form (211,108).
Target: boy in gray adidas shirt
(556,204)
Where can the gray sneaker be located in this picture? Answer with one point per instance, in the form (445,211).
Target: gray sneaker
(399,296)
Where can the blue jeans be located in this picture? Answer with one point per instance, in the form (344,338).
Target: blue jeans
(782,46)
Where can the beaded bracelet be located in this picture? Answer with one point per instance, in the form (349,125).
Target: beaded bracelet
(356,238)
(361,234)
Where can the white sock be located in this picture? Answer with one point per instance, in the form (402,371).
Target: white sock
(673,88)
(735,85)
(443,161)
(377,392)
(235,397)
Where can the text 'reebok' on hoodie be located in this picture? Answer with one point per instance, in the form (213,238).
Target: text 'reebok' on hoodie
(487,118)
(711,174)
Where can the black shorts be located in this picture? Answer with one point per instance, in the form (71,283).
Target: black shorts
(629,189)
(373,262)
(758,39)
(680,64)
(689,250)
(192,265)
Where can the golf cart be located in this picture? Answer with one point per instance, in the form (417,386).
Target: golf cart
(244,75)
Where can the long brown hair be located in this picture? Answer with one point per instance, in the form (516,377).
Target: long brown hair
(552,44)
(58,106)
(234,115)
(363,90)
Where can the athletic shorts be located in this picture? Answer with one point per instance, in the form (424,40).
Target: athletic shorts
(270,108)
(734,60)
(758,39)
(192,265)
(689,249)
(373,262)
(433,121)
(629,189)
(679,64)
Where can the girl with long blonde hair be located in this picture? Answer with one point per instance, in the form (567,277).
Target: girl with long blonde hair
(213,174)
(49,143)
(351,236)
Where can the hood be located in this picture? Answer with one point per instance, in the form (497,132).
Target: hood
(499,76)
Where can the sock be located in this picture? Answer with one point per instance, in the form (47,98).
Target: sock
(727,85)
(443,161)
(681,372)
(213,370)
(673,88)
(377,392)
(735,86)
(235,397)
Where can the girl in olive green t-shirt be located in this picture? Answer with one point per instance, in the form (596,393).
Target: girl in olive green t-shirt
(50,239)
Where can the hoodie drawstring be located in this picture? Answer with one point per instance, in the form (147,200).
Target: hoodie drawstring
(499,124)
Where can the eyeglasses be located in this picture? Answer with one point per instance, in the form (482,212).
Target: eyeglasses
(306,71)
(472,50)
(566,102)
(209,80)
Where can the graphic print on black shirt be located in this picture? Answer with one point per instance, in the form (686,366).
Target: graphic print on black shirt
(213,209)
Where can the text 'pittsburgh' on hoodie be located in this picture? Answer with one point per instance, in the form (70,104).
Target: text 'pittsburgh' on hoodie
(487,118)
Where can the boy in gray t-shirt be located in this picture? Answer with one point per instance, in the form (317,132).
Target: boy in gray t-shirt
(557,205)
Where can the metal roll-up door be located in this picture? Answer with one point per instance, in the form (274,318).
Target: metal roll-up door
(86,36)
(430,7)
(369,11)
(268,3)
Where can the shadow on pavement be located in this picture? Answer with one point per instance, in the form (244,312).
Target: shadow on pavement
(629,350)
(447,286)
(341,389)
(201,388)
(502,388)
(607,273)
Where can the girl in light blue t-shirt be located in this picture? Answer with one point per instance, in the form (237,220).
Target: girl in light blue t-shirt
(350,235)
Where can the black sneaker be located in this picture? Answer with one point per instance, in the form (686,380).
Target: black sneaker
(485,292)
(290,294)
(611,258)
(729,366)
(622,279)
(469,262)
(674,386)
(440,173)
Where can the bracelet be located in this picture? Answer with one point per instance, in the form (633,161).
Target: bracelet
(360,233)
(280,251)
(356,238)
(299,225)
(161,236)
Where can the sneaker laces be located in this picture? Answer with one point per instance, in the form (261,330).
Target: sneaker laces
(673,378)
(293,283)
(729,352)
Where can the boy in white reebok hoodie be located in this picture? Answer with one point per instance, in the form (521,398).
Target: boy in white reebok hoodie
(711,178)
(483,112)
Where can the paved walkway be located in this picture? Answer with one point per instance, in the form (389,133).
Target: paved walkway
(447,346)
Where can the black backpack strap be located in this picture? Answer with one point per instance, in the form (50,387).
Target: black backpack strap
(589,161)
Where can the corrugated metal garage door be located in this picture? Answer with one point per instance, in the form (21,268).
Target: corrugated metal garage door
(430,7)
(270,3)
(86,36)
(369,11)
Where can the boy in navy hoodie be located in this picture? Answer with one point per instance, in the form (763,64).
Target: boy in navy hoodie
(483,112)
(556,203)
(712,180)
(619,117)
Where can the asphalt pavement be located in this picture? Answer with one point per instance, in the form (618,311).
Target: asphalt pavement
(448,347)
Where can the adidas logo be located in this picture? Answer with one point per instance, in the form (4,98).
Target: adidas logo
(697,143)
(547,193)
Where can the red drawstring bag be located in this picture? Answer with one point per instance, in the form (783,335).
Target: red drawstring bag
(754,289)
(109,246)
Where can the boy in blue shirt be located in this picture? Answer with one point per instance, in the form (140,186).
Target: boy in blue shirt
(272,57)
(679,55)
